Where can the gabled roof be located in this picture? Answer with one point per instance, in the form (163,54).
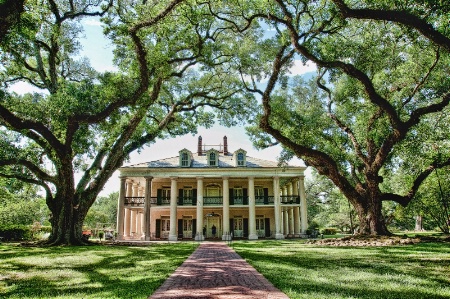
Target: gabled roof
(225,161)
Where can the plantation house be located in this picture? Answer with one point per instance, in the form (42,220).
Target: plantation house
(213,193)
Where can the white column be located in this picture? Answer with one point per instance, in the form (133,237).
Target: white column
(173,210)
(226,210)
(199,233)
(285,223)
(129,192)
(139,214)
(121,210)
(297,228)
(127,223)
(127,226)
(133,223)
(251,210)
(303,207)
(139,223)
(289,191)
(277,208)
(284,192)
(135,190)
(147,206)
(291,221)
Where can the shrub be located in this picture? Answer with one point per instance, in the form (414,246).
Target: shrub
(329,231)
(46,229)
(15,232)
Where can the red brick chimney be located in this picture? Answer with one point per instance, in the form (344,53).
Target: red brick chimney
(199,148)
(225,146)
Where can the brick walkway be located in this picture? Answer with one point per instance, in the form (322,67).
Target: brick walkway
(214,270)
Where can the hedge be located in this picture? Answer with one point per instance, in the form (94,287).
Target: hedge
(15,232)
(329,231)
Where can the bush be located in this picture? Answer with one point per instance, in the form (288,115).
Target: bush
(46,229)
(329,231)
(15,232)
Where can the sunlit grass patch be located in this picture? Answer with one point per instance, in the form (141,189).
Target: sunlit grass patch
(308,271)
(88,272)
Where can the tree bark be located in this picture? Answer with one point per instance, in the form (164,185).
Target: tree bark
(371,220)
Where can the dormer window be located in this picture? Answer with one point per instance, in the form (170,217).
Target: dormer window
(240,158)
(213,157)
(185,158)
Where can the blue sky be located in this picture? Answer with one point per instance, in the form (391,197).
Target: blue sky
(99,51)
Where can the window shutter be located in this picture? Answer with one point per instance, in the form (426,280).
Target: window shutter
(245,227)
(267,227)
(180,197)
(180,228)
(158,228)
(159,197)
(245,199)
(266,196)
(194,197)
(231,226)
(231,197)
(194,227)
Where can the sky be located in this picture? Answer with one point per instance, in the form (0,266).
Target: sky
(99,51)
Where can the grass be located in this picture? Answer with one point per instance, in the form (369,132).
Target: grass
(298,269)
(308,271)
(88,272)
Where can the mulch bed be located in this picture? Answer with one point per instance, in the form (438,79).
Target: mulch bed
(365,241)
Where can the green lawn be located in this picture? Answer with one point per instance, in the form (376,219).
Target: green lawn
(308,271)
(88,272)
(298,269)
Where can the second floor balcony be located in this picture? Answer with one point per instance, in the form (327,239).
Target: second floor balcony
(212,200)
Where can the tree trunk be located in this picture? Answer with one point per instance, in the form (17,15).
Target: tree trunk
(67,212)
(419,226)
(67,225)
(371,220)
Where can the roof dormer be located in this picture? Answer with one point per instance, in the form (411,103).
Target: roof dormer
(213,157)
(185,158)
(240,156)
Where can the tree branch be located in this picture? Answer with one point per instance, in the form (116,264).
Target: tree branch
(400,17)
(405,199)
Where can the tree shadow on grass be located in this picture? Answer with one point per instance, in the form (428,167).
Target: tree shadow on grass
(90,272)
(321,271)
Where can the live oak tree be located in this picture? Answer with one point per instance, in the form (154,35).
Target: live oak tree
(382,89)
(10,11)
(173,62)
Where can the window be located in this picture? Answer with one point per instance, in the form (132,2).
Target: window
(259,194)
(188,192)
(212,159)
(165,193)
(185,158)
(240,159)
(238,195)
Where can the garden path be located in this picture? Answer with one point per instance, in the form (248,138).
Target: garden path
(216,271)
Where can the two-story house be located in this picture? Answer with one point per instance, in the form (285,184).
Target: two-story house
(212,193)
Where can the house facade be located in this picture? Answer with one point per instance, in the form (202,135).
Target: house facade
(212,193)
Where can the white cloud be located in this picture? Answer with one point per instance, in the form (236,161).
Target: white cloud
(299,68)
(22,88)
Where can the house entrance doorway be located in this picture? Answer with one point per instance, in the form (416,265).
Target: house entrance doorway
(213,221)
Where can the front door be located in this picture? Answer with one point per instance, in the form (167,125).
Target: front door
(260,229)
(213,226)
(238,230)
(187,228)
